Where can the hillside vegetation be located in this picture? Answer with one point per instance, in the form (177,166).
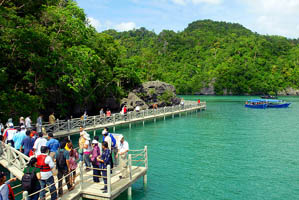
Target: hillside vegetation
(51,59)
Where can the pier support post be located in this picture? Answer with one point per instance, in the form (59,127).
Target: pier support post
(130,176)
(94,133)
(25,195)
(81,175)
(143,122)
(68,125)
(69,137)
(113,129)
(109,180)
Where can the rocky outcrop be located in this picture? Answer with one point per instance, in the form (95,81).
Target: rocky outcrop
(149,93)
(288,91)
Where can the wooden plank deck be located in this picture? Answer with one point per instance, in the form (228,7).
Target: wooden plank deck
(113,124)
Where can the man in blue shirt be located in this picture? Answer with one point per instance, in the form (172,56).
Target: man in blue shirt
(27,144)
(104,161)
(52,145)
(19,137)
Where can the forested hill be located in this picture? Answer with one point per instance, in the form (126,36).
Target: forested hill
(51,59)
(214,57)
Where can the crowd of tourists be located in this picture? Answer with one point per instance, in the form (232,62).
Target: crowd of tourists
(49,158)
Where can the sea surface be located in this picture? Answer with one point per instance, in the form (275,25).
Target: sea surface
(225,152)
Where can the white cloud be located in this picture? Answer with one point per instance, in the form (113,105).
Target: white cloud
(180,2)
(94,22)
(275,17)
(125,26)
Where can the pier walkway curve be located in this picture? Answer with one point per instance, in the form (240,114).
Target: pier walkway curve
(92,123)
(85,187)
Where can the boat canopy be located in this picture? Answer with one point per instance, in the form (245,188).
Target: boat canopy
(264,100)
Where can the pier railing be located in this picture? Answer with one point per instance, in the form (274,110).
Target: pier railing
(136,159)
(93,121)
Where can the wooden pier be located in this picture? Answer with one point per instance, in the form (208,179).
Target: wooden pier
(93,123)
(137,167)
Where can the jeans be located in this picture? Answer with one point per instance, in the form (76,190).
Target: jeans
(104,174)
(60,174)
(81,156)
(86,159)
(96,172)
(48,182)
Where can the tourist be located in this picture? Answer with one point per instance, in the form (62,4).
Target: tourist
(53,145)
(63,167)
(5,189)
(1,147)
(104,162)
(27,144)
(67,142)
(109,138)
(9,134)
(182,103)
(155,106)
(101,112)
(28,122)
(95,154)
(137,108)
(122,154)
(39,142)
(39,123)
(46,164)
(81,143)
(19,137)
(31,168)
(108,113)
(9,123)
(1,128)
(86,151)
(52,118)
(74,156)
(21,121)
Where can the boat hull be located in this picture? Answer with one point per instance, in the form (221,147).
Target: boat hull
(259,106)
(285,105)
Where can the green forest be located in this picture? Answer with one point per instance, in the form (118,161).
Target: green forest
(51,59)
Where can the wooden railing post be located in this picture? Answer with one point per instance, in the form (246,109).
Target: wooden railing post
(81,175)
(109,180)
(68,125)
(130,176)
(9,154)
(94,121)
(25,195)
(113,118)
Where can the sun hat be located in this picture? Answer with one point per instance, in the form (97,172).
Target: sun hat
(94,142)
(104,132)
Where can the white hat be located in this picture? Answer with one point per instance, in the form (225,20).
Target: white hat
(95,142)
(22,127)
(104,132)
(86,136)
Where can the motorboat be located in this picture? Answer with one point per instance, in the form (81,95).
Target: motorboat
(266,103)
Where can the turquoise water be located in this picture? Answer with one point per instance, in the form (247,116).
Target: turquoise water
(225,152)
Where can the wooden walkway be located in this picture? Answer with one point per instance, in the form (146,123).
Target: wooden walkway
(16,161)
(93,123)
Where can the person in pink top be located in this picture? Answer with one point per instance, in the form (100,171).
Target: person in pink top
(95,154)
(74,156)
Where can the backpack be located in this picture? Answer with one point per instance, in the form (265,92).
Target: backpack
(60,160)
(28,180)
(113,140)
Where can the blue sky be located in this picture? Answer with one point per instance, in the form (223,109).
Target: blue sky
(272,17)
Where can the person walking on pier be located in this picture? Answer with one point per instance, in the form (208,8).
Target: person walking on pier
(9,134)
(46,164)
(33,183)
(28,122)
(53,145)
(63,167)
(96,152)
(81,143)
(104,161)
(27,144)
(52,118)
(87,150)
(39,123)
(39,142)
(122,154)
(74,156)
(5,186)
(19,137)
